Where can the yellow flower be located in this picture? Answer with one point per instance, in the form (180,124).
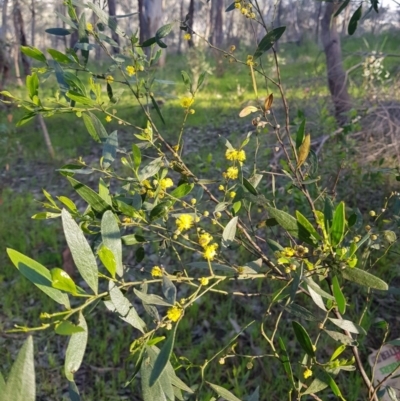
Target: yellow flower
(187,36)
(109,79)
(307,373)
(233,154)
(108,119)
(184,222)
(166,183)
(186,102)
(232,173)
(204,281)
(210,251)
(130,70)
(205,239)
(232,194)
(156,271)
(244,11)
(221,188)
(288,252)
(237,5)
(89,27)
(192,111)
(174,313)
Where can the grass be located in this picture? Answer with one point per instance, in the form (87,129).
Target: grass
(207,325)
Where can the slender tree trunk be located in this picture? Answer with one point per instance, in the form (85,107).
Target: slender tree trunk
(191,21)
(337,80)
(4,58)
(142,23)
(3,30)
(217,22)
(112,13)
(33,23)
(20,36)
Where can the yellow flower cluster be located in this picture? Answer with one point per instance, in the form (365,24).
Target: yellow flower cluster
(204,281)
(236,155)
(184,222)
(187,36)
(109,79)
(231,173)
(108,119)
(166,183)
(205,239)
(130,70)
(156,271)
(89,27)
(307,373)
(174,313)
(210,251)
(245,8)
(186,102)
(149,189)
(250,60)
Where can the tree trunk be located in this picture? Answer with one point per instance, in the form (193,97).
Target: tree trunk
(3,30)
(217,36)
(33,23)
(336,75)
(112,13)
(142,23)
(191,22)
(20,36)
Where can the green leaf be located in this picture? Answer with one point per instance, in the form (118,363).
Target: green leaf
(68,203)
(157,108)
(300,133)
(32,84)
(338,351)
(339,297)
(77,97)
(149,42)
(335,389)
(151,169)
(342,338)
(354,20)
(67,20)
(125,309)
(268,41)
(187,80)
(201,80)
(228,235)
(169,290)
(301,312)
(338,225)
(76,349)
(58,31)
(160,43)
(160,210)
(80,250)
(73,392)
(163,357)
(66,328)
(344,4)
(223,392)
(108,259)
(151,299)
(110,149)
(231,7)
(20,385)
(164,31)
(317,298)
(111,237)
(62,281)
(316,386)
(317,288)
(34,53)
(90,196)
(182,190)
(249,187)
(59,57)
(348,326)
(286,361)
(328,214)
(137,156)
(303,338)
(285,220)
(364,278)
(95,127)
(307,227)
(38,275)
(105,19)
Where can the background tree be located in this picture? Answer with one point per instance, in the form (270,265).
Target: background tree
(112,12)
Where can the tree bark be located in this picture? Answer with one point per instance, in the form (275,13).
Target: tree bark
(337,79)
(33,23)
(112,13)
(217,22)
(191,22)
(142,23)
(20,36)
(3,30)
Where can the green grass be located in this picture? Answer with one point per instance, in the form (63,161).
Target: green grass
(206,327)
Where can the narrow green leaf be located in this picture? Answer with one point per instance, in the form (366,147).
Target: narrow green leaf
(187,80)
(66,328)
(364,278)
(182,190)
(286,361)
(151,169)
(307,226)
(338,351)
(76,349)
(77,97)
(348,326)
(160,210)
(342,338)
(328,214)
(317,298)
(164,30)
(32,84)
(137,156)
(68,203)
(268,41)
(108,259)
(20,385)
(201,80)
(163,357)
(105,19)
(223,392)
(316,386)
(344,4)
(90,196)
(335,389)
(285,220)
(157,108)
(111,237)
(300,133)
(169,290)
(249,187)
(62,281)
(228,235)
(59,57)
(354,20)
(301,312)
(95,127)
(338,225)
(151,299)
(125,309)
(34,53)
(58,31)
(73,392)
(38,275)
(231,7)
(149,42)
(81,252)
(318,289)
(303,338)
(339,297)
